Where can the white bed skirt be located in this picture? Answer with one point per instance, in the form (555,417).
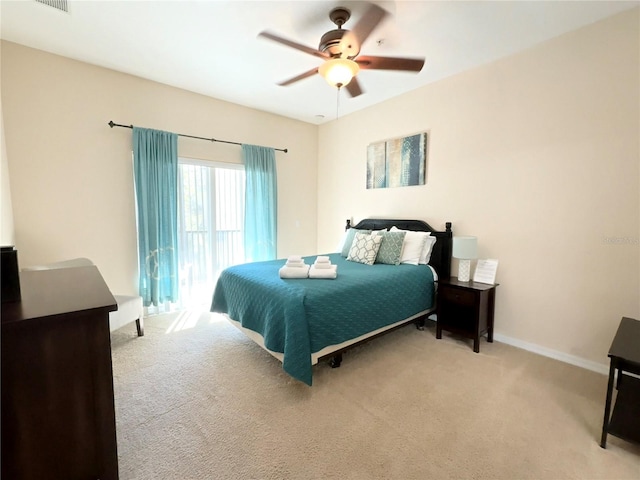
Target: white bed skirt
(256,337)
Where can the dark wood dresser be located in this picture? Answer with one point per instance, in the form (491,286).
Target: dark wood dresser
(58,418)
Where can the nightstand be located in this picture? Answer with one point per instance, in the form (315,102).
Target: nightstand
(625,357)
(466,308)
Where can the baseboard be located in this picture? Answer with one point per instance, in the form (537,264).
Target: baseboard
(555,354)
(548,352)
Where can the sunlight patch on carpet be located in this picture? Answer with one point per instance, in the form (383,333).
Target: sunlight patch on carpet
(185,320)
(217,318)
(189,319)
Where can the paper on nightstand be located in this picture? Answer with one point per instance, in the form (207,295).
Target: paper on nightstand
(486,271)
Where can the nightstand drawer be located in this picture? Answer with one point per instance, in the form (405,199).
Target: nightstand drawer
(458,296)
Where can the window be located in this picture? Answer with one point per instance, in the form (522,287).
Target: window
(210,226)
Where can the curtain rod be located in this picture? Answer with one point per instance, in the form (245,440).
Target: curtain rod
(111,124)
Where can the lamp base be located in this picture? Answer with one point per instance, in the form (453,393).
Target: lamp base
(464,270)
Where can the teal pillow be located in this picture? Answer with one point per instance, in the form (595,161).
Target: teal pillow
(391,248)
(348,240)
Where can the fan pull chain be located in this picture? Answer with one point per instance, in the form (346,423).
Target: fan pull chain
(338,102)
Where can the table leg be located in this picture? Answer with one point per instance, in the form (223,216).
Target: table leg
(140,326)
(607,405)
(491,312)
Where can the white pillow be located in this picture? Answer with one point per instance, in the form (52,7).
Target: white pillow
(425,256)
(396,229)
(412,247)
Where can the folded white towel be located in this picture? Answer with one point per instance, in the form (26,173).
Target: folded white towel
(294,258)
(323,259)
(289,272)
(295,264)
(323,265)
(330,273)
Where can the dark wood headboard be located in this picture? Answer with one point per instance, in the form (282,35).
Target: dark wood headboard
(441,255)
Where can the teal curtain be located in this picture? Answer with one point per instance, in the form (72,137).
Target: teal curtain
(261,203)
(155,163)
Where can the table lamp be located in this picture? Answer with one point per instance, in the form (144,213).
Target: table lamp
(465,249)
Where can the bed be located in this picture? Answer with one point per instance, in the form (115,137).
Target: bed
(304,321)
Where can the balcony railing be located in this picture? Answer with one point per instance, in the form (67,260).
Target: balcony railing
(202,260)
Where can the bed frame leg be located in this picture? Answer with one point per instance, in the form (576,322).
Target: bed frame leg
(335,361)
(420,323)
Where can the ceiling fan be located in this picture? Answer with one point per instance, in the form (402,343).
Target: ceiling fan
(340,49)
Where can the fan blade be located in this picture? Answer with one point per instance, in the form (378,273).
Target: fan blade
(353,87)
(299,77)
(390,63)
(292,44)
(353,39)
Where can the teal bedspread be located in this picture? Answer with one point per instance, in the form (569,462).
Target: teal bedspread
(299,316)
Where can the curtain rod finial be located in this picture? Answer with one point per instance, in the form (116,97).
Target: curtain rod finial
(111,124)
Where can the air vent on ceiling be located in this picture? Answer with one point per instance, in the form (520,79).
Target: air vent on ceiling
(61,5)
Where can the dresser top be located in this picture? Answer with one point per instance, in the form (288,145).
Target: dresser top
(46,293)
(454,282)
(626,343)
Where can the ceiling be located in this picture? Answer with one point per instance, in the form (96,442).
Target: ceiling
(211,47)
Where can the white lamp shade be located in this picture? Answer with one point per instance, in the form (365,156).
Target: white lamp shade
(465,247)
(338,71)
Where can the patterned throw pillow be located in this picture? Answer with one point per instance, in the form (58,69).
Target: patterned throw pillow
(391,248)
(364,248)
(348,240)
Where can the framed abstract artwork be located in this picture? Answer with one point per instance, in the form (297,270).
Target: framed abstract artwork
(400,162)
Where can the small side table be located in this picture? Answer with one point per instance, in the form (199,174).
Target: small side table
(625,357)
(466,308)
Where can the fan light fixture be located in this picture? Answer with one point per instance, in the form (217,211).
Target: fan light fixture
(338,71)
(339,50)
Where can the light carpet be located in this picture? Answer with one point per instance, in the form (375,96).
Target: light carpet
(195,399)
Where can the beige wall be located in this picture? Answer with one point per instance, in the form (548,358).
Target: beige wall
(6,209)
(71,175)
(538,155)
